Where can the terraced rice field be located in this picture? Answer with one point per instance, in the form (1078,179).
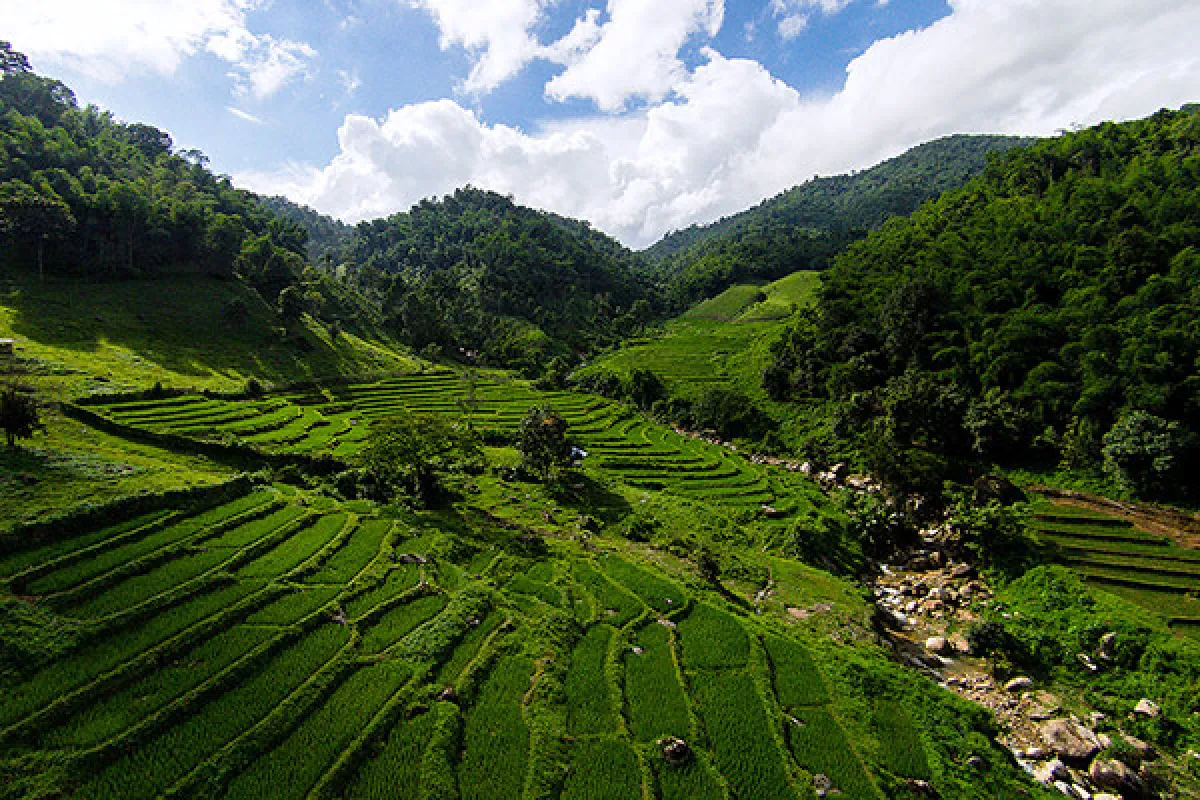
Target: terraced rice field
(619,442)
(1110,552)
(273,646)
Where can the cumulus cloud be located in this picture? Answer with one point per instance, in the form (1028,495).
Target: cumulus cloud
(793,15)
(108,40)
(731,134)
(635,53)
(498,32)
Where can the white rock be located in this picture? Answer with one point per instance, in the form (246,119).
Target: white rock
(1147,708)
(1018,684)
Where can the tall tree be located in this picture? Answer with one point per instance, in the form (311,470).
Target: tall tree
(542,442)
(33,220)
(19,415)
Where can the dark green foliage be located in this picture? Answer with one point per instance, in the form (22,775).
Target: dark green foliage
(475,272)
(589,707)
(804,227)
(395,772)
(412,451)
(819,744)
(1144,452)
(30,636)
(542,442)
(133,205)
(19,417)
(1037,305)
(900,747)
(603,769)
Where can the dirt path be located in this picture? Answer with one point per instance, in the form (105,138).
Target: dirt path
(1180,526)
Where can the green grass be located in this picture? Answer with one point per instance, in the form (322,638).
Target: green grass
(589,704)
(296,549)
(398,581)
(612,604)
(356,554)
(660,594)
(713,639)
(819,745)
(496,739)
(467,649)
(400,621)
(900,747)
(20,561)
(394,772)
(154,766)
(736,721)
(292,768)
(655,699)
(117,712)
(693,781)
(795,677)
(293,606)
(603,769)
(93,660)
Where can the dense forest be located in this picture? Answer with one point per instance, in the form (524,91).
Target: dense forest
(1047,310)
(804,227)
(475,272)
(328,238)
(83,195)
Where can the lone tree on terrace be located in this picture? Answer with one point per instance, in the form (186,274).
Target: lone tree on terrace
(542,442)
(415,451)
(19,417)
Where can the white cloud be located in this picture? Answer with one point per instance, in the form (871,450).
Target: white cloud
(731,134)
(497,32)
(350,79)
(794,14)
(635,53)
(109,40)
(245,116)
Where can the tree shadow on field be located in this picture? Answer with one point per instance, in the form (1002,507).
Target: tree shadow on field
(585,495)
(180,324)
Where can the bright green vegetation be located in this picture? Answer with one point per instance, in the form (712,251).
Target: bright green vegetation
(603,769)
(819,745)
(900,747)
(496,739)
(745,747)
(656,703)
(394,773)
(723,341)
(797,682)
(400,621)
(691,782)
(589,705)
(292,768)
(713,639)
(991,304)
(1054,615)
(611,604)
(800,228)
(1112,554)
(660,595)
(355,555)
(165,758)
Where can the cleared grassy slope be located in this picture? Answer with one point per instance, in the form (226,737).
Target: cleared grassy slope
(76,338)
(723,340)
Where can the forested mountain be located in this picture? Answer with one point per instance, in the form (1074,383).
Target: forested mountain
(804,227)
(1048,308)
(474,271)
(328,238)
(85,195)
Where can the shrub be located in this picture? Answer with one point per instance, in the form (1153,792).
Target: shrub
(1141,451)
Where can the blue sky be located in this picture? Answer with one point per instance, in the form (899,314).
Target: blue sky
(640,115)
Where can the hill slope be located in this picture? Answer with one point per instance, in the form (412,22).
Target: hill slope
(474,271)
(804,227)
(1051,302)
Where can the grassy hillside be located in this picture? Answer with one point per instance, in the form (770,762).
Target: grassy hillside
(289,644)
(74,338)
(721,341)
